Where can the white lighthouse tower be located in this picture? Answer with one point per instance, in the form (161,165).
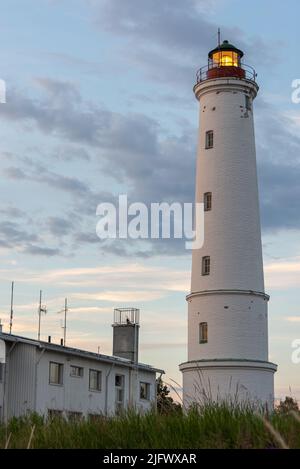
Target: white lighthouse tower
(227,306)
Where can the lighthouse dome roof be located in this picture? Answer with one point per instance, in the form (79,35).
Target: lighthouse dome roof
(226,46)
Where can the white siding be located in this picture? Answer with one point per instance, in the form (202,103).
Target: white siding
(74,395)
(231,298)
(20,375)
(245,383)
(27,387)
(237,326)
(228,170)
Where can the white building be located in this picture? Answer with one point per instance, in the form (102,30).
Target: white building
(227,306)
(52,379)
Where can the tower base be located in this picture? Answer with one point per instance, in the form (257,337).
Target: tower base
(233,381)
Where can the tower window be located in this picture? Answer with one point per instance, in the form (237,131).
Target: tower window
(203,336)
(207,201)
(209,139)
(206,265)
(247,102)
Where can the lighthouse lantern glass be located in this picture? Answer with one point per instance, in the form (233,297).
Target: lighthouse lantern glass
(225,59)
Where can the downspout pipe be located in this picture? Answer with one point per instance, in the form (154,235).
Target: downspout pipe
(106,389)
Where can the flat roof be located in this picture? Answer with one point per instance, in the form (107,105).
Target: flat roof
(77,352)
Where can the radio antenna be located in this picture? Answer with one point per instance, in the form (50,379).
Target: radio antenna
(11,307)
(65,310)
(42,309)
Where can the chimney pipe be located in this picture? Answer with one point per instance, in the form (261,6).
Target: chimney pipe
(49,339)
(61,341)
(126,333)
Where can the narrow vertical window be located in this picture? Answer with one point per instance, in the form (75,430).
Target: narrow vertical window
(206,265)
(203,330)
(247,102)
(207,201)
(119,392)
(209,139)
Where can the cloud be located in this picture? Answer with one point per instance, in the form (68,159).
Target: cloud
(59,226)
(121,296)
(157,280)
(13,236)
(68,152)
(41,175)
(14,173)
(83,198)
(59,115)
(78,311)
(293,318)
(12,212)
(152,163)
(41,251)
(278,150)
(169,39)
(283,274)
(172,25)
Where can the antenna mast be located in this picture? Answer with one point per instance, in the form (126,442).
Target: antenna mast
(219,37)
(42,309)
(65,326)
(11,307)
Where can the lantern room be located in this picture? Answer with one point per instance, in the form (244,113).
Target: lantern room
(225,55)
(225,61)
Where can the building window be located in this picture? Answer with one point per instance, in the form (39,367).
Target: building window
(95,417)
(247,102)
(203,332)
(56,373)
(95,380)
(119,392)
(209,139)
(207,201)
(76,371)
(119,381)
(206,265)
(74,416)
(145,391)
(54,414)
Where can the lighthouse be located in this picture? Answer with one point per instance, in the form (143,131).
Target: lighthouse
(227,306)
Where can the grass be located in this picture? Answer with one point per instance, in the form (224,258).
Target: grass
(212,426)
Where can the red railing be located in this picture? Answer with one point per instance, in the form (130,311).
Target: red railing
(210,71)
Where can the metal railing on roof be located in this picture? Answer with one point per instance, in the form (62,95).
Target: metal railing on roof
(218,72)
(126,316)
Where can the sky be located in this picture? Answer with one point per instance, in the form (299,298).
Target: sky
(100,103)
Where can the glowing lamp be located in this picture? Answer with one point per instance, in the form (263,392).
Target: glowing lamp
(225,60)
